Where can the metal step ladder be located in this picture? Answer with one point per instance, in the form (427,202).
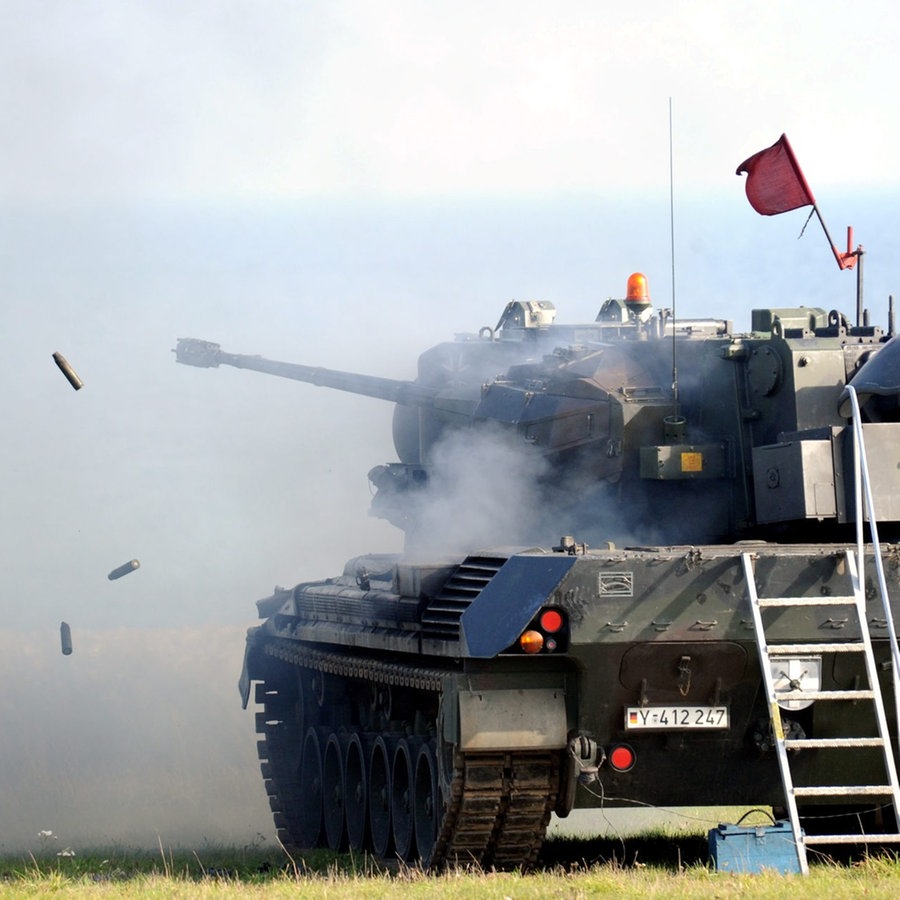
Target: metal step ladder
(770,653)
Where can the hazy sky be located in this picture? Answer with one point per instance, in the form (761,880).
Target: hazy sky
(339,183)
(225,100)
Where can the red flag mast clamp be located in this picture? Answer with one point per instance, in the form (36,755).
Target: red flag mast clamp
(848,259)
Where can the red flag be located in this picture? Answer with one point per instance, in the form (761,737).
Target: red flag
(775,183)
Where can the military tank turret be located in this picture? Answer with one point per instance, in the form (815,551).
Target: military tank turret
(439,705)
(585,416)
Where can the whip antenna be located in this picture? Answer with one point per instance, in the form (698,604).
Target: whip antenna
(672,254)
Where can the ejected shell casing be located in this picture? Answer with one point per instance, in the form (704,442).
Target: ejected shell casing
(65,637)
(124,569)
(68,371)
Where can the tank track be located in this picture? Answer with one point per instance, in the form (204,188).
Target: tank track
(495,806)
(499,809)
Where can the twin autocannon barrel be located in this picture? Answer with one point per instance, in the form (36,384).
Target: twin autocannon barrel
(206,354)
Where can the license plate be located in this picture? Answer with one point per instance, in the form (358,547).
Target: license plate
(675,717)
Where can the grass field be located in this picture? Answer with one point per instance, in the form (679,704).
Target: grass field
(649,866)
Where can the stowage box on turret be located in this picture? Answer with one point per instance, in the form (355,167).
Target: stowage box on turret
(441,704)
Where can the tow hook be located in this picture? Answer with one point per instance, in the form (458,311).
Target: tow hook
(588,756)
(583,759)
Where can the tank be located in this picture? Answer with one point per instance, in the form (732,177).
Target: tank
(569,624)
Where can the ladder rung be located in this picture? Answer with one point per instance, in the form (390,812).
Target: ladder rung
(845,790)
(832,743)
(807,601)
(852,839)
(783,696)
(811,649)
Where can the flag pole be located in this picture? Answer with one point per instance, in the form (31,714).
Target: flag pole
(859,281)
(848,260)
(844,260)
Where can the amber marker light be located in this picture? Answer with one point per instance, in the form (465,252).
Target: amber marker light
(637,292)
(531,641)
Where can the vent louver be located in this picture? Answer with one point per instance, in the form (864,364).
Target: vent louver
(440,619)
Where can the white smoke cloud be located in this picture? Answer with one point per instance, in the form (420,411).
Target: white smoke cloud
(484,489)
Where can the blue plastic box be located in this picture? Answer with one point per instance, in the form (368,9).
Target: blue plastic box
(736,848)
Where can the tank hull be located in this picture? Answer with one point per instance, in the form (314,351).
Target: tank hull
(401,716)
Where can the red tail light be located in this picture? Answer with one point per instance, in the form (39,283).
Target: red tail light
(622,757)
(551,620)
